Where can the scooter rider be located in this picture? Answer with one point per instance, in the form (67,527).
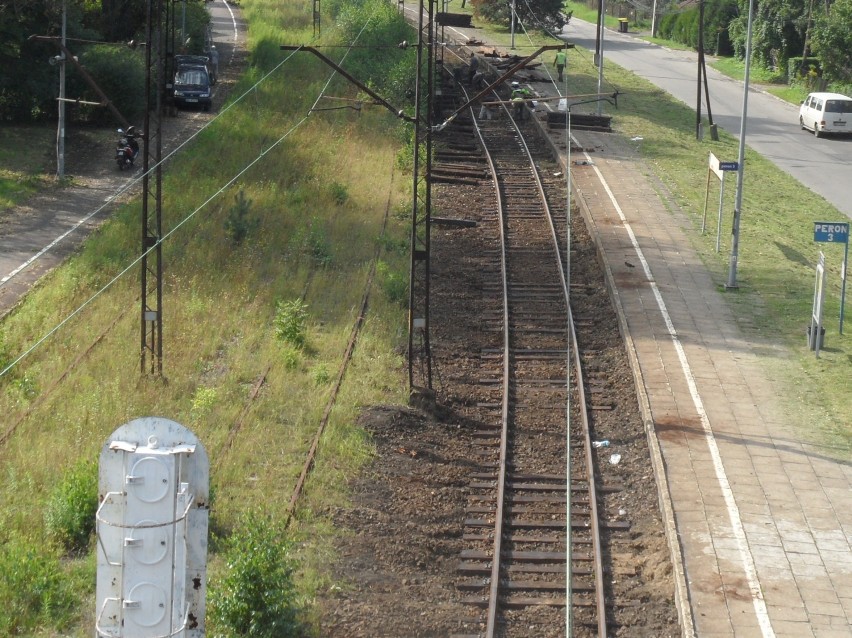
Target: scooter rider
(131,134)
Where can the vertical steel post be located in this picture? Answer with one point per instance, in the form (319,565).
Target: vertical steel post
(419,354)
(735,231)
(151,351)
(60,130)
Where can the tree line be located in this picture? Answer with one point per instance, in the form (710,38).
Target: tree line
(803,40)
(107,38)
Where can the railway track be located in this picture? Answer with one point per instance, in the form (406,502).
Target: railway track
(522,563)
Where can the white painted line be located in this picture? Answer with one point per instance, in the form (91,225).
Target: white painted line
(746,557)
(236,33)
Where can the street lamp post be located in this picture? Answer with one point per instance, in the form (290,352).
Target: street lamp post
(735,231)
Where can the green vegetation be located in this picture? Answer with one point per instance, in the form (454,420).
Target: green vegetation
(239,224)
(69,516)
(36,589)
(291,322)
(256,597)
(300,223)
(27,159)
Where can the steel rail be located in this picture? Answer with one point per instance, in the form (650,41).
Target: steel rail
(494,585)
(504,407)
(600,601)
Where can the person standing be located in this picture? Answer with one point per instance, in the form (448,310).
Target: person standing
(473,68)
(214,63)
(559,61)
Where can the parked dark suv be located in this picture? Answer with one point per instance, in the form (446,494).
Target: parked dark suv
(192,87)
(197,60)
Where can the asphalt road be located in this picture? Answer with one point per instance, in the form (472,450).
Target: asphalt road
(772,126)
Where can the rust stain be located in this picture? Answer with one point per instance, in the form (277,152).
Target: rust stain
(677,430)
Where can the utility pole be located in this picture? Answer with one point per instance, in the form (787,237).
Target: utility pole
(513,25)
(60,128)
(419,349)
(151,316)
(700,67)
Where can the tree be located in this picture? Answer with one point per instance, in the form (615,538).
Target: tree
(831,40)
(778,31)
(542,15)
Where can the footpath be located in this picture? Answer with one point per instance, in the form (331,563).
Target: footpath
(759,520)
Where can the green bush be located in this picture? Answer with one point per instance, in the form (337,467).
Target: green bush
(312,241)
(69,515)
(238,225)
(321,374)
(203,400)
(257,596)
(338,193)
(394,285)
(34,590)
(291,322)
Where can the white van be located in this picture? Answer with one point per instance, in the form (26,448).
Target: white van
(826,113)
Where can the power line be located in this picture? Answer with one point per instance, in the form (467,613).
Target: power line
(161,240)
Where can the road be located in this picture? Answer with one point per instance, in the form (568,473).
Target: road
(772,129)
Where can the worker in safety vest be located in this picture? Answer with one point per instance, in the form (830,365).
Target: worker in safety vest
(519,97)
(561,59)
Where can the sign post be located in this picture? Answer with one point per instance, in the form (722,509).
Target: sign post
(719,169)
(836,232)
(815,329)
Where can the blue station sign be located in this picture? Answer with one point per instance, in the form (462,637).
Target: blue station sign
(831,232)
(729,166)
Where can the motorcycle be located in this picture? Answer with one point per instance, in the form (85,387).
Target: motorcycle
(127,148)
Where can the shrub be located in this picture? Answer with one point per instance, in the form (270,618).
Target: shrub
(338,193)
(69,515)
(238,225)
(203,400)
(311,240)
(291,358)
(291,322)
(321,374)
(257,595)
(394,285)
(33,588)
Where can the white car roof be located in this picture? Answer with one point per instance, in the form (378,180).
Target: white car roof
(830,96)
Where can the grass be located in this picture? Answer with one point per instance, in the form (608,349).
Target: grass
(319,216)
(27,162)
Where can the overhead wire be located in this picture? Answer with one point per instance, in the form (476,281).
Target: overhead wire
(162,239)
